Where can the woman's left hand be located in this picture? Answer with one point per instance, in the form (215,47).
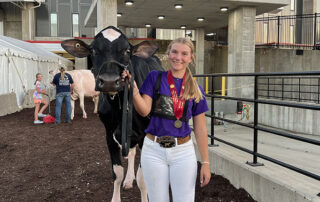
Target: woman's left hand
(205,175)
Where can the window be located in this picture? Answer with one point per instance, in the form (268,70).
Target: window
(291,37)
(1,27)
(75,25)
(292,2)
(54,24)
(265,33)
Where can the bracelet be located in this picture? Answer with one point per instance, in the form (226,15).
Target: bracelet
(205,162)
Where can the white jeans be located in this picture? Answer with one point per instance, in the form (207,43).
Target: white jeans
(161,166)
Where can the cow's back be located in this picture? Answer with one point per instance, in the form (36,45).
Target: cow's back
(84,82)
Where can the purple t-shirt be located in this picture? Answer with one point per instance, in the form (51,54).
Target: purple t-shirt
(165,127)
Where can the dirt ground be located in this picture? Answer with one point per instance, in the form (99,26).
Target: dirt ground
(70,162)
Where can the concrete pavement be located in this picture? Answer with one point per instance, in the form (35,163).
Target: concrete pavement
(270,182)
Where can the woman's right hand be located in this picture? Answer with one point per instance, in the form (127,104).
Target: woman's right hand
(125,74)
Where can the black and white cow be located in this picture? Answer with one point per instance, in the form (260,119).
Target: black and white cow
(111,53)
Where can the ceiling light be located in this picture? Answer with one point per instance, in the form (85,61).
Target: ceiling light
(223,9)
(211,34)
(178,6)
(161,17)
(148,25)
(129,3)
(183,27)
(119,14)
(200,19)
(188,32)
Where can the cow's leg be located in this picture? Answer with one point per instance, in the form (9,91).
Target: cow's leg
(128,181)
(81,96)
(95,99)
(117,167)
(141,185)
(72,108)
(118,172)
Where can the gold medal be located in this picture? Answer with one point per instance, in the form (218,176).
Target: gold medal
(178,123)
(178,103)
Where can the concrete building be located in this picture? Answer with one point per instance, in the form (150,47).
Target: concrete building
(55,20)
(49,20)
(297,22)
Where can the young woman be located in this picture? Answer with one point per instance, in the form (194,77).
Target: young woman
(38,99)
(64,86)
(172,98)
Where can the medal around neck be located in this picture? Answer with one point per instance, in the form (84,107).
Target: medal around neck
(178,103)
(178,124)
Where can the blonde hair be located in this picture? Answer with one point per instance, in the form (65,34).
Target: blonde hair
(63,73)
(191,88)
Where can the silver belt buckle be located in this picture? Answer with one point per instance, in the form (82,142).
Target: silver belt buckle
(167,141)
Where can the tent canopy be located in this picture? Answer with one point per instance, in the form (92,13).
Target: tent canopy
(13,47)
(19,63)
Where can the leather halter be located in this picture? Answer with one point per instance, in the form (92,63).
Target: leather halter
(126,127)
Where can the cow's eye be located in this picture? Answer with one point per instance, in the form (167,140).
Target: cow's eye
(128,51)
(94,52)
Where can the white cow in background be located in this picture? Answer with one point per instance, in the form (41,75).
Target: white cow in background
(84,85)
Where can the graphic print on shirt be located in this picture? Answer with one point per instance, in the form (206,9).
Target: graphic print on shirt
(64,82)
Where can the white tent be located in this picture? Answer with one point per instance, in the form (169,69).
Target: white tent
(20,62)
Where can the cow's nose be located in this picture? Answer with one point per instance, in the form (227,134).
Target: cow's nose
(108,83)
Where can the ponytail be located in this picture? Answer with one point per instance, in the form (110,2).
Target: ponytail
(63,73)
(191,88)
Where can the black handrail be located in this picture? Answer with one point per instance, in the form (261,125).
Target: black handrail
(294,31)
(290,88)
(255,126)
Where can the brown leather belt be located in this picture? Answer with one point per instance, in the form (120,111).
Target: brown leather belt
(180,140)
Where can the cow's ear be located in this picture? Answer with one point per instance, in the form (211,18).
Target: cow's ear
(145,49)
(76,47)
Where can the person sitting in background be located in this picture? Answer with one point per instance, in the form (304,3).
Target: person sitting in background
(38,99)
(64,86)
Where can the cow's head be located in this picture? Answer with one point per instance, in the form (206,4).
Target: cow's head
(110,53)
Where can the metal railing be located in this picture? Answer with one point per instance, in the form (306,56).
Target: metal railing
(292,31)
(299,89)
(255,126)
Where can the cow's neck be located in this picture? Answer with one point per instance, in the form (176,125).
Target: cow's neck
(115,101)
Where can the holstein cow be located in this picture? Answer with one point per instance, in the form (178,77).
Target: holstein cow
(84,85)
(111,53)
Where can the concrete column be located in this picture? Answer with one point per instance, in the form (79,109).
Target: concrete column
(28,21)
(106,14)
(199,54)
(241,51)
(1,21)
